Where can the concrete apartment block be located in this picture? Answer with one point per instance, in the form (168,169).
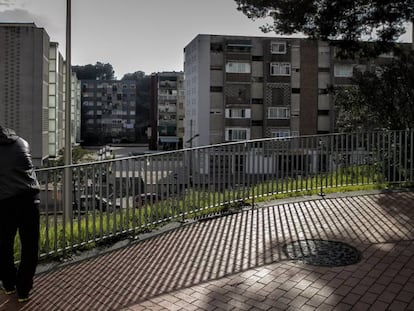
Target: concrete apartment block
(24,80)
(240,87)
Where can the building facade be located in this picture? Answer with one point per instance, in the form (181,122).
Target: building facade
(24,81)
(239,88)
(32,89)
(56,100)
(170,110)
(111,113)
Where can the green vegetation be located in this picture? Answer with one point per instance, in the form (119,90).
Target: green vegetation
(79,155)
(349,23)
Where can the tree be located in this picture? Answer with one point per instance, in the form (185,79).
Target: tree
(137,75)
(347,21)
(99,71)
(381,99)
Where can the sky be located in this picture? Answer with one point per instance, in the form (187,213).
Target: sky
(133,35)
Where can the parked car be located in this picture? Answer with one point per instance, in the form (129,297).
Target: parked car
(94,201)
(146,199)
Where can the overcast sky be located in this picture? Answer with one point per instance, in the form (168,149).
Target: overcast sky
(132,35)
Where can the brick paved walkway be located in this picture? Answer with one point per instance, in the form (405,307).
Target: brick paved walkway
(237,263)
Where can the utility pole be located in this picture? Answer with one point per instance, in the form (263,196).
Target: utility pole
(68,116)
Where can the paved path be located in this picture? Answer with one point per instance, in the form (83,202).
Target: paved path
(237,263)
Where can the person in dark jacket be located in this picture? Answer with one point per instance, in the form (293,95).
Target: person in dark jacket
(19,210)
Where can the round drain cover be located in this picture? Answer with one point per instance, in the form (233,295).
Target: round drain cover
(322,253)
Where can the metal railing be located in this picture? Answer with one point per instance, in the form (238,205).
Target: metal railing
(130,195)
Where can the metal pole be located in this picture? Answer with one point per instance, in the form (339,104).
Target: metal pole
(68,116)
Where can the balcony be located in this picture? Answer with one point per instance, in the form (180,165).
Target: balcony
(223,233)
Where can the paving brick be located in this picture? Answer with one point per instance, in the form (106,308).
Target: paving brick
(298,302)
(351,298)
(316,300)
(404,296)
(172,271)
(379,306)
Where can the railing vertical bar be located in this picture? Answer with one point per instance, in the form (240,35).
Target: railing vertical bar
(101,194)
(122,182)
(206,176)
(231,172)
(134,194)
(273,156)
(397,152)
(405,159)
(381,156)
(93,185)
(263,170)
(102,183)
(327,160)
(240,169)
(368,158)
(46,207)
(332,156)
(195,169)
(213,167)
(88,194)
(189,180)
(313,153)
(411,154)
(249,169)
(358,156)
(301,166)
(297,159)
(153,183)
(347,158)
(400,161)
(124,203)
(109,177)
(291,161)
(222,174)
(154,202)
(55,207)
(165,190)
(143,190)
(308,163)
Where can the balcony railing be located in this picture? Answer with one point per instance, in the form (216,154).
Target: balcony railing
(130,195)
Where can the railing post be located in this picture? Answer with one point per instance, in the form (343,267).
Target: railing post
(321,144)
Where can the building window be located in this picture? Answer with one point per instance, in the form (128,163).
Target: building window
(233,67)
(278,47)
(280,69)
(238,113)
(343,70)
(278,113)
(278,133)
(234,134)
(216,89)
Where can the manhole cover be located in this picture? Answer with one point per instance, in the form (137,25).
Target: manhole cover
(322,253)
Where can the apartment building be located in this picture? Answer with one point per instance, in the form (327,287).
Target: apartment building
(239,87)
(32,89)
(56,100)
(170,110)
(24,81)
(111,112)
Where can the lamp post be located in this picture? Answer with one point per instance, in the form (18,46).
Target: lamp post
(68,115)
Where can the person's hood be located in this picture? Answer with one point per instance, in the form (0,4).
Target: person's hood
(7,136)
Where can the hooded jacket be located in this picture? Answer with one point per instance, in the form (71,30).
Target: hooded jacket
(17,176)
